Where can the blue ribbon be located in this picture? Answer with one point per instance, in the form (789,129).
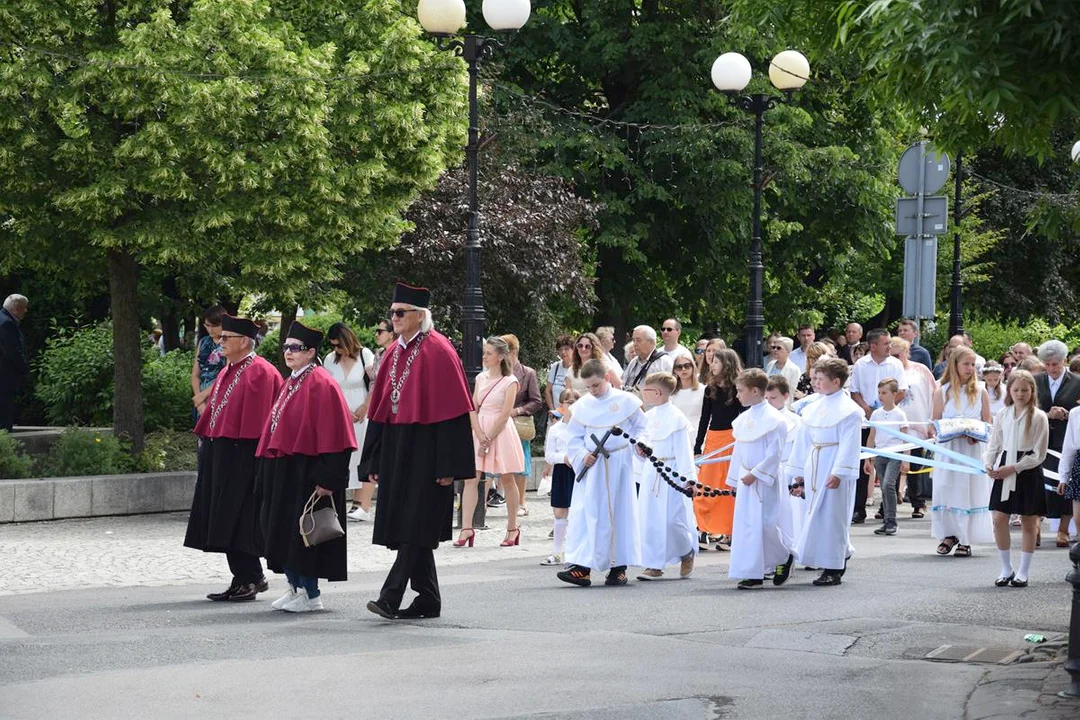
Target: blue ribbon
(970,462)
(966,469)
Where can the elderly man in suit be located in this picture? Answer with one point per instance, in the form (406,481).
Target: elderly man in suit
(13,363)
(1058,392)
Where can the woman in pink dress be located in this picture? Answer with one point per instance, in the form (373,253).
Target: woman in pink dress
(498,447)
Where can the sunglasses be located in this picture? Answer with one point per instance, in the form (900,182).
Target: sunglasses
(402,313)
(335,344)
(294,347)
(667,329)
(584,346)
(684,366)
(380,331)
(775,347)
(223,337)
(699,351)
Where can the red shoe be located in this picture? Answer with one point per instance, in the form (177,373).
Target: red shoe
(517,538)
(462,541)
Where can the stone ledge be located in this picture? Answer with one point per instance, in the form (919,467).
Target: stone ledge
(94,496)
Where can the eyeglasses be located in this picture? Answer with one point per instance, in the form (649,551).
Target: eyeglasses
(223,337)
(684,366)
(294,347)
(402,313)
(584,346)
(666,329)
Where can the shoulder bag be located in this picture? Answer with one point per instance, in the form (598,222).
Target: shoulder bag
(319,526)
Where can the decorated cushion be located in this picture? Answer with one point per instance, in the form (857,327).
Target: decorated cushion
(951,428)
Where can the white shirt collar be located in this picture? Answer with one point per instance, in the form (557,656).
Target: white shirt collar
(297,373)
(405,343)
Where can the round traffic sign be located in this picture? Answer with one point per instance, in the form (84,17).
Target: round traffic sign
(936,165)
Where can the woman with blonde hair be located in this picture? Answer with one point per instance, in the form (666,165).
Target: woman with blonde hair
(814,352)
(498,447)
(959,509)
(1014,461)
(719,409)
(588,347)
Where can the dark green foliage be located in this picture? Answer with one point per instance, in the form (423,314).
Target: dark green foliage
(85,452)
(169,451)
(75,376)
(14,463)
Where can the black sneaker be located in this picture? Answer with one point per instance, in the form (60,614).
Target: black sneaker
(703,541)
(576,575)
(890,528)
(413,612)
(882,530)
(783,572)
(827,577)
(494,499)
(616,576)
(382,608)
(750,584)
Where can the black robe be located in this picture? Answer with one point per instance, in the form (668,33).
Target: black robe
(408,459)
(284,486)
(224,510)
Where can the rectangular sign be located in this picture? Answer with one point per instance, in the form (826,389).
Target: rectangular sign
(935,215)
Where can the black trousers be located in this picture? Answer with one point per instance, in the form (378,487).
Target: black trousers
(415,565)
(246,569)
(919,487)
(860,490)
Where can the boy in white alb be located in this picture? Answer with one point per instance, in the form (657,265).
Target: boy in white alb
(760,499)
(888,469)
(778,394)
(665,515)
(826,460)
(603,524)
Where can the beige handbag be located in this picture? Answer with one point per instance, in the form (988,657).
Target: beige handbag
(526,427)
(318,526)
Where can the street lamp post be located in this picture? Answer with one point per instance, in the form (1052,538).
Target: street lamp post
(443,19)
(731,72)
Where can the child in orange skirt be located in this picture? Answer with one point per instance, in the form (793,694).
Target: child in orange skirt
(718,411)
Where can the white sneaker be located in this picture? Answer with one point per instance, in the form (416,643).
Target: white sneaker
(359,515)
(290,595)
(303,603)
(552,560)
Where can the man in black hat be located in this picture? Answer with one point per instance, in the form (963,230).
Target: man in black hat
(418,442)
(223,512)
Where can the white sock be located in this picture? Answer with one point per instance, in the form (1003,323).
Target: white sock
(1025,565)
(1006,562)
(560,535)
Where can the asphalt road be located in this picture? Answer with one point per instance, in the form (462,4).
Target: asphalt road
(514,642)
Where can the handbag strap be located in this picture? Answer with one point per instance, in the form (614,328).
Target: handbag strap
(490,389)
(309,510)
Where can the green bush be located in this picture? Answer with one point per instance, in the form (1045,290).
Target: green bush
(14,463)
(992,338)
(169,451)
(75,376)
(84,452)
(166,382)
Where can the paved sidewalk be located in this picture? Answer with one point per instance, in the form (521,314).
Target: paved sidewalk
(1026,690)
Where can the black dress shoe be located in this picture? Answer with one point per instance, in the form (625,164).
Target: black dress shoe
(858,519)
(225,595)
(829,577)
(413,612)
(263,585)
(244,593)
(1017,582)
(382,608)
(750,584)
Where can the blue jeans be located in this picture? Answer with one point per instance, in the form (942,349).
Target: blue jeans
(310,584)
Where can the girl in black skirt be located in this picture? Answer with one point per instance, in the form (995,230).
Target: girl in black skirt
(1014,461)
(562,476)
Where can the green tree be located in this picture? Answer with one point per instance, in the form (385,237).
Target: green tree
(616,98)
(266,141)
(996,72)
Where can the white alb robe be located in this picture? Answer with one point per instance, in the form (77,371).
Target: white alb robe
(666,516)
(829,445)
(756,541)
(791,522)
(603,527)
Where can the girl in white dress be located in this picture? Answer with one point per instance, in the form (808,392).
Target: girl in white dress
(960,509)
(992,376)
(689,392)
(352,367)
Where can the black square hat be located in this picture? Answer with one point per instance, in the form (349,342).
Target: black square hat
(416,296)
(240,326)
(308,336)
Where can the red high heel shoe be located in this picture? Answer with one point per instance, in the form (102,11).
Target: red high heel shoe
(517,538)
(463,541)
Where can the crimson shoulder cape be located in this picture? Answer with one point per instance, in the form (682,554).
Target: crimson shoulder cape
(243,416)
(315,420)
(434,392)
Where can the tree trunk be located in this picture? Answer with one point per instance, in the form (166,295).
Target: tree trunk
(127,349)
(170,318)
